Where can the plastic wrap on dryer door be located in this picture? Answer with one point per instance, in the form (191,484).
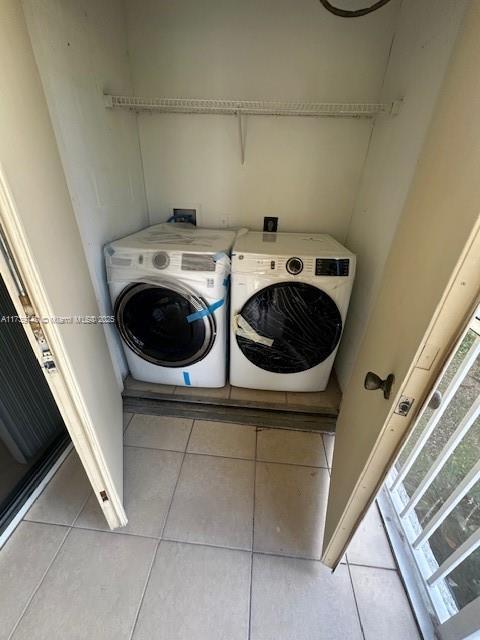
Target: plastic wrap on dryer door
(292,327)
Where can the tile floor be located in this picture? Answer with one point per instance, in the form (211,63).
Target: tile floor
(223,542)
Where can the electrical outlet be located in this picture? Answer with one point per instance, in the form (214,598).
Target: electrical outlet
(270,224)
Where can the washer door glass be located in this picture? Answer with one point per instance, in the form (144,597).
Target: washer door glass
(303,322)
(152,320)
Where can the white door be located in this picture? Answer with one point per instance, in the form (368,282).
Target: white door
(39,227)
(429,288)
(434,488)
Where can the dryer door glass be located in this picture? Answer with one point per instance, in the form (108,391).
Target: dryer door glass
(303,322)
(154,323)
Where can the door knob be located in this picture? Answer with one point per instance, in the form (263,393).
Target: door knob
(373,382)
(435,400)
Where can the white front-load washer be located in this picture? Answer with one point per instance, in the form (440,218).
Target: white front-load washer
(169,289)
(289,300)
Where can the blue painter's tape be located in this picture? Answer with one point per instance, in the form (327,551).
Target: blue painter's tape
(205,312)
(226,281)
(186,378)
(219,256)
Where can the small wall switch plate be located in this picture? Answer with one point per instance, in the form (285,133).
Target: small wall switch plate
(225,222)
(270,224)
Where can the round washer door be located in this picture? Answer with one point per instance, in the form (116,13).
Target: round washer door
(153,322)
(303,321)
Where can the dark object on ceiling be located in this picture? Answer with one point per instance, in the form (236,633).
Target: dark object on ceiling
(357,13)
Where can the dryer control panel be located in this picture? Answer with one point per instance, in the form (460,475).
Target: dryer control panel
(332,267)
(290,265)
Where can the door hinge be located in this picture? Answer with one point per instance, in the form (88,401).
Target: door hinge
(404,405)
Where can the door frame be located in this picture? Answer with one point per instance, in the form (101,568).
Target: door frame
(61,379)
(459,300)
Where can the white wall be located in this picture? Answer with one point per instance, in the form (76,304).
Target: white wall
(81,51)
(306,171)
(424,39)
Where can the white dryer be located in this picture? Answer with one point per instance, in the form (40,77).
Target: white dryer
(289,300)
(169,287)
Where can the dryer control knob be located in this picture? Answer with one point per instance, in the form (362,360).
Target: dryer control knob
(161,260)
(294,266)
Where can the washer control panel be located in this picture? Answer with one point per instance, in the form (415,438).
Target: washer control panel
(161,260)
(294,266)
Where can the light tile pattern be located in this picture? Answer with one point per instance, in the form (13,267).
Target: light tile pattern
(91,590)
(203,392)
(322,603)
(223,439)
(330,398)
(369,545)
(150,478)
(151,387)
(290,505)
(64,496)
(196,592)
(158,432)
(78,582)
(213,502)
(258,395)
(292,447)
(23,562)
(383,605)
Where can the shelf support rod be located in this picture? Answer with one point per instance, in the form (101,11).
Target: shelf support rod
(241,136)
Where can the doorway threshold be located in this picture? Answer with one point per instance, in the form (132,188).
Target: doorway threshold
(301,411)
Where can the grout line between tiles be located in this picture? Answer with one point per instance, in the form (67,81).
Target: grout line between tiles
(206,544)
(161,537)
(128,423)
(176,483)
(34,592)
(326,453)
(277,554)
(274,554)
(81,508)
(69,528)
(371,566)
(253,539)
(116,532)
(201,544)
(214,455)
(355,599)
(144,590)
(137,446)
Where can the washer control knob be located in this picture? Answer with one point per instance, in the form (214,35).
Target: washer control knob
(161,260)
(294,266)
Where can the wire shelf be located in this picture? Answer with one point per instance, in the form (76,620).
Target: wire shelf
(250,107)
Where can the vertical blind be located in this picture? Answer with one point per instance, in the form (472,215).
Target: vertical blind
(29,417)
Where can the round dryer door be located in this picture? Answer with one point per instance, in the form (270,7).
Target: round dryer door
(303,322)
(155,322)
